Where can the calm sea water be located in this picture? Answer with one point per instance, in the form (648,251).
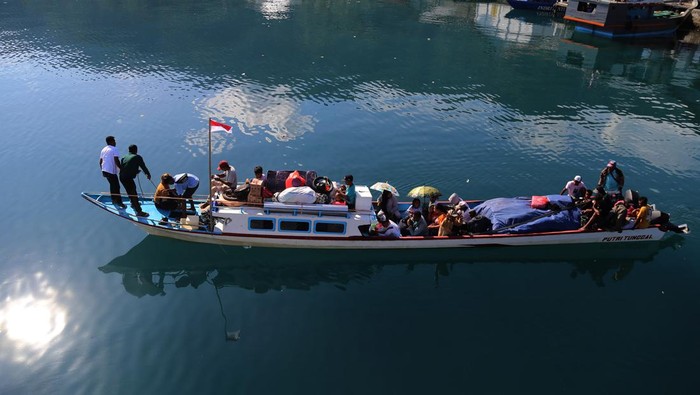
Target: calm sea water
(470,97)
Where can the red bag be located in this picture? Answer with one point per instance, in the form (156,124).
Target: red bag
(539,202)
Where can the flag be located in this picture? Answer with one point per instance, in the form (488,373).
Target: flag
(219,127)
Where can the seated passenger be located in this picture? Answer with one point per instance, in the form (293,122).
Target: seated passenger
(599,214)
(446,227)
(585,205)
(165,197)
(643,219)
(388,228)
(477,223)
(339,199)
(260,179)
(617,219)
(438,216)
(226,181)
(415,225)
(389,205)
(415,206)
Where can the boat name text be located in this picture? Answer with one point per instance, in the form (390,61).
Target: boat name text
(627,238)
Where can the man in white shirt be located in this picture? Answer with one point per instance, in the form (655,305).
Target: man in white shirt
(389,229)
(109,164)
(575,188)
(228,180)
(186,185)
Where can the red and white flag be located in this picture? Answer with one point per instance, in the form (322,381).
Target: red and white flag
(219,127)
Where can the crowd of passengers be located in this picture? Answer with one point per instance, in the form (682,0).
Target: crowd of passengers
(601,208)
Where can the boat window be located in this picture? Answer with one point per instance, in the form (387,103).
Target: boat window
(261,224)
(329,227)
(295,226)
(585,7)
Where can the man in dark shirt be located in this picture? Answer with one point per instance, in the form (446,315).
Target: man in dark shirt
(130,168)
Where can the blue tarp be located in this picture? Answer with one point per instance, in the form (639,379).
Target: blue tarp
(515,215)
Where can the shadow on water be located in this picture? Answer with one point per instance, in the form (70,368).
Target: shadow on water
(156,262)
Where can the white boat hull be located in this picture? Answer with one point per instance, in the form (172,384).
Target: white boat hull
(232,228)
(570,237)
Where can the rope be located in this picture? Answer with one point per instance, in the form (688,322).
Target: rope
(138,179)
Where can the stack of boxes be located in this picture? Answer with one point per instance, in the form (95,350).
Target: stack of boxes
(255,194)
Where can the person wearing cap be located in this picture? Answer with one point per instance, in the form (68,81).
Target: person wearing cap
(225,181)
(131,164)
(611,178)
(388,228)
(575,188)
(110,166)
(350,194)
(186,185)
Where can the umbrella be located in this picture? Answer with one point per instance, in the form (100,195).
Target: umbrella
(384,186)
(424,191)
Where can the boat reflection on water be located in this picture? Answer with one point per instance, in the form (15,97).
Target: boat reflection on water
(643,61)
(157,265)
(156,262)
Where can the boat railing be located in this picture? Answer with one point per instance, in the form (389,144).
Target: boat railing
(320,210)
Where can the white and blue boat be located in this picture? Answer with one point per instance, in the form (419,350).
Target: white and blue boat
(326,226)
(629,19)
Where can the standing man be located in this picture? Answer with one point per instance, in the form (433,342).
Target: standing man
(109,164)
(350,194)
(186,185)
(612,179)
(130,169)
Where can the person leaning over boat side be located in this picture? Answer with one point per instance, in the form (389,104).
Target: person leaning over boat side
(110,166)
(186,185)
(350,194)
(165,197)
(226,181)
(612,179)
(131,163)
(574,188)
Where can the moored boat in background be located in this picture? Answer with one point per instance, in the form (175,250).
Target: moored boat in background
(627,19)
(537,5)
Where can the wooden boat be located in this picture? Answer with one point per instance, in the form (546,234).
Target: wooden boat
(537,5)
(627,19)
(325,226)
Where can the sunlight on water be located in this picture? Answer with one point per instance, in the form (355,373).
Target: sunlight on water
(274,9)
(29,322)
(254,109)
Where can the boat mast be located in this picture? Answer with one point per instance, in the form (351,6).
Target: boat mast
(209,190)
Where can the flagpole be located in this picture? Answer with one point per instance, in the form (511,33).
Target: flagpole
(209,191)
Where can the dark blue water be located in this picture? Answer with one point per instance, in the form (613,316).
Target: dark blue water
(469,97)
